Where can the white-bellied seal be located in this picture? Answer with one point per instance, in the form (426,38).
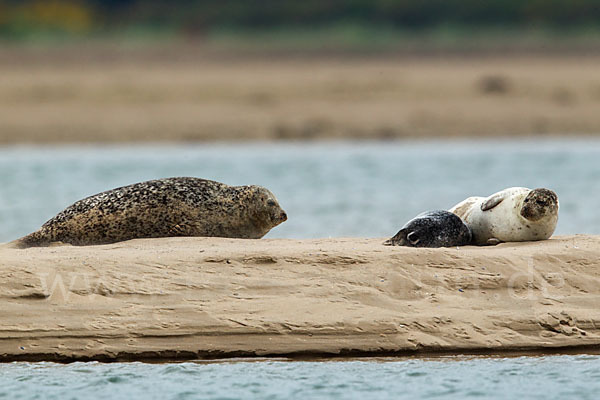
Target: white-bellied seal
(161,208)
(432,229)
(515,214)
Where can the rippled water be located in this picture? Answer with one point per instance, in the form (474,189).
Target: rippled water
(341,189)
(556,377)
(331,189)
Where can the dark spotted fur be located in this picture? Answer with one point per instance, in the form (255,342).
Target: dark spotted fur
(433,229)
(160,208)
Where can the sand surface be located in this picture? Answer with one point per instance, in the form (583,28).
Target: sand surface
(59,97)
(181,298)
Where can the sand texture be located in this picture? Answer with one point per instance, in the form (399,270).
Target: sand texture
(175,98)
(183,298)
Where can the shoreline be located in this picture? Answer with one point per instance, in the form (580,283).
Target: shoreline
(234,357)
(177,299)
(259,143)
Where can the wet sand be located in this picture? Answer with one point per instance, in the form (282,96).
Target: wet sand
(188,298)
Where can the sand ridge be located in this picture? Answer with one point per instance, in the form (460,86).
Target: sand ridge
(184,298)
(176,99)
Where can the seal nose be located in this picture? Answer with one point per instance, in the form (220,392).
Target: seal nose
(283,216)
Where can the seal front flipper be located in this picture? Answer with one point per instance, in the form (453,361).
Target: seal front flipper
(177,230)
(492,201)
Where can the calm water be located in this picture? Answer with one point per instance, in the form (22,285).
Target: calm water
(348,189)
(556,377)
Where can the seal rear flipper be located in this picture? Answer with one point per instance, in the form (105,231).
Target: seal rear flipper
(35,239)
(463,209)
(19,244)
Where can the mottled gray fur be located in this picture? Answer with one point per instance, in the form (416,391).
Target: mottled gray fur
(161,208)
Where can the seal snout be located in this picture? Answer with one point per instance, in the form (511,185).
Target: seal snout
(277,215)
(399,239)
(283,216)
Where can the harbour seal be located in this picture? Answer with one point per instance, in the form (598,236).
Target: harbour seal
(161,208)
(512,215)
(432,229)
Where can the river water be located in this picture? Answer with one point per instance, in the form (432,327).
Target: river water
(366,189)
(362,189)
(544,378)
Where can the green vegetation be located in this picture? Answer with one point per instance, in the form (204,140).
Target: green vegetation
(381,38)
(306,24)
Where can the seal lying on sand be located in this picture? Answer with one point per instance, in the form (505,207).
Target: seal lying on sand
(160,208)
(512,215)
(432,229)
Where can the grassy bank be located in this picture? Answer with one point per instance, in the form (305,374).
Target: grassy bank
(339,39)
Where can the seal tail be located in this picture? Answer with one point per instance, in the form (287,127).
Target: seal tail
(35,239)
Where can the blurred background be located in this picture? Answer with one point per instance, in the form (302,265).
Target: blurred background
(98,71)
(357,114)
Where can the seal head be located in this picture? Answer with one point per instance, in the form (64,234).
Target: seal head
(539,203)
(266,212)
(432,229)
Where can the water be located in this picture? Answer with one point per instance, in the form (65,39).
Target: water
(341,189)
(547,378)
(331,189)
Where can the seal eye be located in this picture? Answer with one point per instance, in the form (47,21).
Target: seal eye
(271,203)
(412,238)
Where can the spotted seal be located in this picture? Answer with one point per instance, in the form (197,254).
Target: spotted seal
(512,215)
(432,229)
(165,207)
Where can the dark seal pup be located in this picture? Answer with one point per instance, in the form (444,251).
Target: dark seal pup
(161,208)
(432,229)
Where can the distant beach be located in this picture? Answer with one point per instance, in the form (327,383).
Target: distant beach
(182,93)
